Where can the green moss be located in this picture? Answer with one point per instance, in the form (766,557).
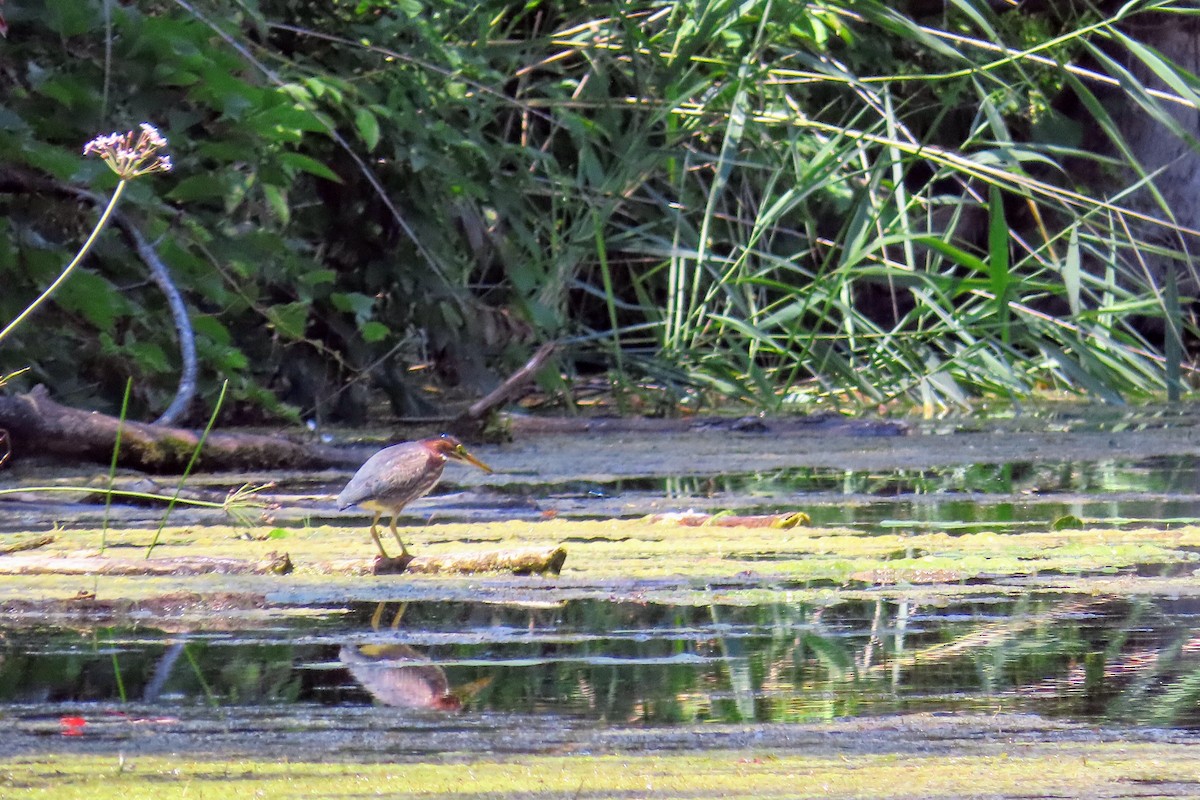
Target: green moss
(1023,769)
(654,560)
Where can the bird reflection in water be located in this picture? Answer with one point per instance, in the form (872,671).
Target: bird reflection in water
(400,676)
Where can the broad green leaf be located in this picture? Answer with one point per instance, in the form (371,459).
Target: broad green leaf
(998,237)
(150,357)
(1071,271)
(373,331)
(368,127)
(318,276)
(361,305)
(955,254)
(277,200)
(289,319)
(209,326)
(304,163)
(94,298)
(199,187)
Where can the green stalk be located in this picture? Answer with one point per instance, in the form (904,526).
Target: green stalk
(112,467)
(1173,333)
(209,695)
(120,681)
(114,493)
(112,204)
(610,301)
(182,478)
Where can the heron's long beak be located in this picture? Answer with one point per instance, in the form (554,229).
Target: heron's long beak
(463,455)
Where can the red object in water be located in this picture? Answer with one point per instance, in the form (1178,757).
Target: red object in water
(72,726)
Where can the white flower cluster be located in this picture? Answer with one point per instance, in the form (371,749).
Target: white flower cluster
(128,156)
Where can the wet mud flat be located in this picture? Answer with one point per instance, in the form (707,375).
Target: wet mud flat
(1008,609)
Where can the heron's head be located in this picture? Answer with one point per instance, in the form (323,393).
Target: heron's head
(453,450)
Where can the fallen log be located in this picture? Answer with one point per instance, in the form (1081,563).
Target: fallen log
(518,561)
(36,423)
(273,564)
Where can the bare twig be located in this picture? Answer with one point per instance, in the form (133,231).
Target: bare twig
(512,385)
(186,389)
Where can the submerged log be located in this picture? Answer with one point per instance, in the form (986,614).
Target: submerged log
(518,561)
(816,425)
(273,564)
(695,519)
(36,422)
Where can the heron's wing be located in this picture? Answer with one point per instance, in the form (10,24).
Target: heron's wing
(401,471)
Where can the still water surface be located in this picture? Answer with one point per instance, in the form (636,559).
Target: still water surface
(1065,655)
(1074,658)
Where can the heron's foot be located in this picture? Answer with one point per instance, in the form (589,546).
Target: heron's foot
(391,566)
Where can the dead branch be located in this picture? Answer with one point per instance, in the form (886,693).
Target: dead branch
(36,422)
(511,386)
(186,390)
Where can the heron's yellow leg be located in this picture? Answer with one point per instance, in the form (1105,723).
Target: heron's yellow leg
(375,534)
(399,615)
(377,617)
(396,533)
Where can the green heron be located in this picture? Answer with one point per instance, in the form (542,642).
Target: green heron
(397,475)
(398,675)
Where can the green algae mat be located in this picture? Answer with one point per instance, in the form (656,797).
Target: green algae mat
(652,560)
(1022,622)
(1083,769)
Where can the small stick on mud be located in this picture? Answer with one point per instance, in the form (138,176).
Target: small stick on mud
(26,544)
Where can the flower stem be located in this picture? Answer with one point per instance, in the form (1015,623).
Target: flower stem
(70,267)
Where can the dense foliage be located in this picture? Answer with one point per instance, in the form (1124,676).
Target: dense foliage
(785,203)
